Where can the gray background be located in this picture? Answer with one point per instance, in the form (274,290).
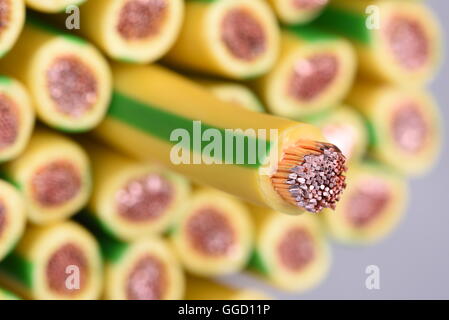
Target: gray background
(414,260)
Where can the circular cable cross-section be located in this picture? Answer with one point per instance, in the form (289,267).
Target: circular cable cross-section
(138,31)
(16,118)
(132,199)
(234,39)
(143,270)
(69,81)
(405,126)
(56,262)
(213,235)
(12,218)
(290,252)
(314,73)
(54,175)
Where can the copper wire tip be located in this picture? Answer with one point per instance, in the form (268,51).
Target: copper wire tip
(311,176)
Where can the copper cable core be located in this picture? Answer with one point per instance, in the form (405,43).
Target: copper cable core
(56,183)
(5,14)
(9,122)
(148,280)
(210,232)
(243,34)
(408,42)
(65,258)
(410,130)
(296,249)
(343,136)
(311,76)
(368,202)
(2,217)
(311,176)
(309,4)
(145,198)
(140,19)
(72,86)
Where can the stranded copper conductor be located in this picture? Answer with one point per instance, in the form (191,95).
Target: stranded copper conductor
(296,249)
(312,76)
(408,42)
(368,202)
(410,130)
(147,281)
(309,4)
(210,232)
(72,85)
(56,183)
(243,34)
(144,198)
(311,176)
(9,122)
(57,266)
(140,19)
(5,14)
(2,217)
